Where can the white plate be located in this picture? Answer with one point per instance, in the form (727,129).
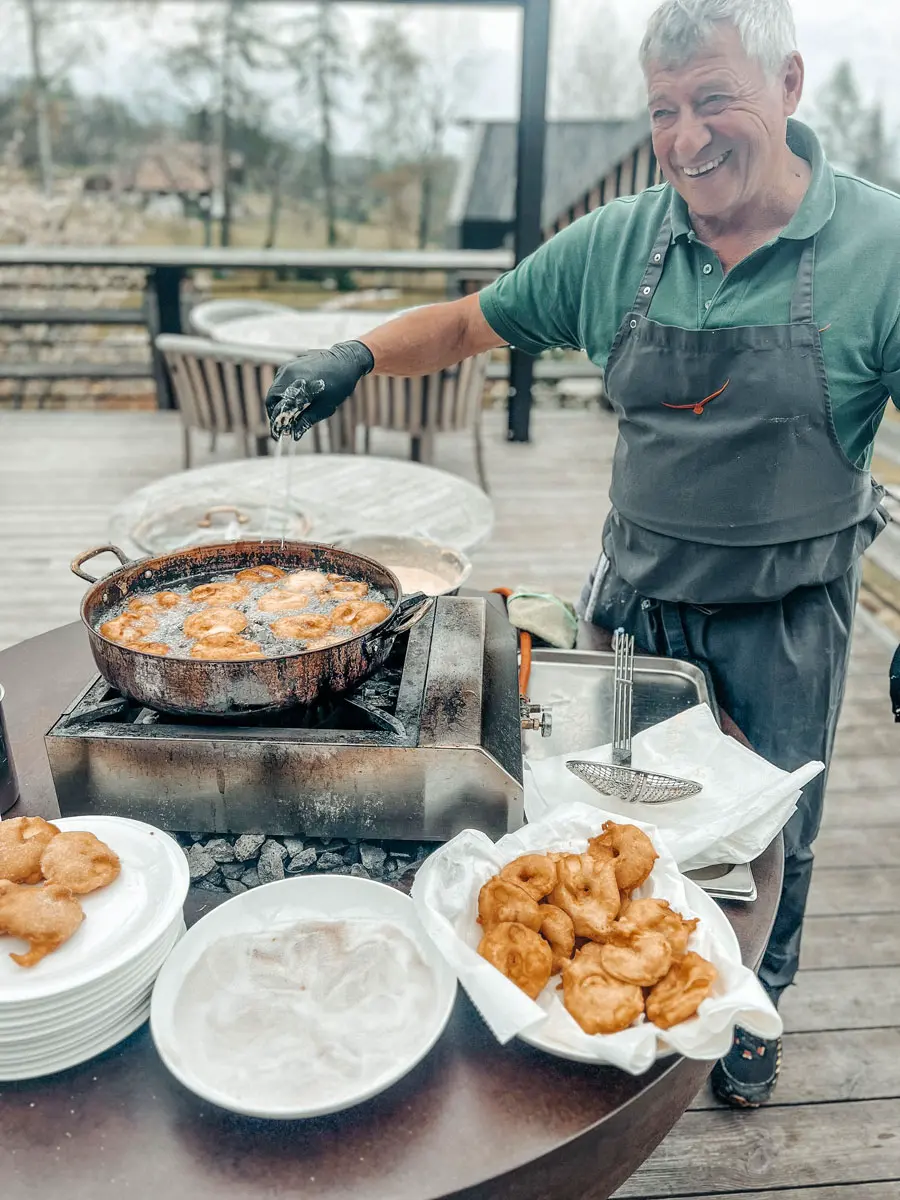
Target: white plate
(551,1035)
(75,1055)
(55,1009)
(278,905)
(54,1028)
(120,921)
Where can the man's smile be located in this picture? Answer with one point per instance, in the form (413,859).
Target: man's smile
(706,168)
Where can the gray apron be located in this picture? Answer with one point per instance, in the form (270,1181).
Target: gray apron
(727,446)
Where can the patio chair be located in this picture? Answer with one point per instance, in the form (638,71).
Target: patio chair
(446,402)
(222,389)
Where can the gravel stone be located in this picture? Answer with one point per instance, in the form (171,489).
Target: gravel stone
(329,861)
(215,876)
(233,870)
(372,857)
(197,837)
(206,886)
(235,886)
(250,878)
(278,848)
(221,850)
(270,866)
(302,861)
(200,862)
(358,871)
(351,855)
(294,845)
(248,846)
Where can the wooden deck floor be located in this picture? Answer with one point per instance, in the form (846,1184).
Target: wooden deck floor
(832,1133)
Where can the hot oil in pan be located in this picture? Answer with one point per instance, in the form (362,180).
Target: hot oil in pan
(169,622)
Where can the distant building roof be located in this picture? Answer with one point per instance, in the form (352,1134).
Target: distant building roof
(181,167)
(578,155)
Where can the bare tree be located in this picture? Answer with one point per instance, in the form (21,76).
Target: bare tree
(319,51)
(594,67)
(218,66)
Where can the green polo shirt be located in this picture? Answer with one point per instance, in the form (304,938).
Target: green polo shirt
(577,288)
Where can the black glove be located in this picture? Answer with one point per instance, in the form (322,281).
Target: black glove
(312,387)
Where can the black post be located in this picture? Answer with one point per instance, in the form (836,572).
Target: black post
(163,316)
(532,137)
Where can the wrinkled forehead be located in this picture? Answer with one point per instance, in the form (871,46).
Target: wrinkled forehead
(721,63)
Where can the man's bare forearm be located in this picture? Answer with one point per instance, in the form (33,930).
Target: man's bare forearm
(430,338)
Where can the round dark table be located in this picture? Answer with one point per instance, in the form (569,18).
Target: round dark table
(474,1120)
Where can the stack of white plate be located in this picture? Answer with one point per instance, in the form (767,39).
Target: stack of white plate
(95,990)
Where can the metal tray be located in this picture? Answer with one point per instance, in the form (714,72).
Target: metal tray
(578,686)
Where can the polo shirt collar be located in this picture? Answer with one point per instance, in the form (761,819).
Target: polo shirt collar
(817,207)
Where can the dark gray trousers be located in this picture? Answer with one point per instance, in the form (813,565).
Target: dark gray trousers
(779,671)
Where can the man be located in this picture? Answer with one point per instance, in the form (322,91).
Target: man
(747,314)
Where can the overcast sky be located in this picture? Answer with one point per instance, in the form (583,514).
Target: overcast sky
(483,42)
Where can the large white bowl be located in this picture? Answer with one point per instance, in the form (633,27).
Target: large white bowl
(333,897)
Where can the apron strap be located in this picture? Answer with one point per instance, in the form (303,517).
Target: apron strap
(653,274)
(802,309)
(895,684)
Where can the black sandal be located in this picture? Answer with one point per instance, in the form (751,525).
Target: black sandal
(746,1076)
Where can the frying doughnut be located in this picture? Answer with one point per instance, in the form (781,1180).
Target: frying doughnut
(226,647)
(558,930)
(306,581)
(597,1001)
(678,996)
(22,842)
(520,954)
(214,620)
(500,902)
(658,915)
(80,862)
(641,958)
(127,628)
(45,917)
(588,892)
(360,615)
(264,573)
(148,606)
(218,593)
(352,589)
(306,625)
(161,649)
(533,873)
(323,643)
(633,850)
(279,600)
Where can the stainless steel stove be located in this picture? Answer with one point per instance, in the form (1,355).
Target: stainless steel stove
(429,746)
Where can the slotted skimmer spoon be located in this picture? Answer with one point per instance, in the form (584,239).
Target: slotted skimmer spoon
(619,778)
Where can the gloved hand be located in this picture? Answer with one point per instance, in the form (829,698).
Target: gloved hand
(312,387)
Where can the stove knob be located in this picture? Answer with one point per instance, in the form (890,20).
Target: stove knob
(546,722)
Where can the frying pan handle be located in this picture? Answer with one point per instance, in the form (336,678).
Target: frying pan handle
(409,612)
(217,510)
(77,563)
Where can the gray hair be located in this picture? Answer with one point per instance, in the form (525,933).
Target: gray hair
(678,29)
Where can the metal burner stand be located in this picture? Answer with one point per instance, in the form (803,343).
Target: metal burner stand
(449,756)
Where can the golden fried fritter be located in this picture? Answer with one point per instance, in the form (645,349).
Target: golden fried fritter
(80,862)
(45,917)
(520,954)
(588,892)
(633,851)
(597,1001)
(658,915)
(641,958)
(680,993)
(22,842)
(558,930)
(533,873)
(500,902)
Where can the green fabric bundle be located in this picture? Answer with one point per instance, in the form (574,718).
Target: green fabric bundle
(544,616)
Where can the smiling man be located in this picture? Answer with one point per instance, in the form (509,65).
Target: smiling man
(747,314)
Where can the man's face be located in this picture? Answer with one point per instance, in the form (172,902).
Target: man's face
(719,125)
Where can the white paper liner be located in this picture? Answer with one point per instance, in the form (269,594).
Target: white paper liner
(744,803)
(445,893)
